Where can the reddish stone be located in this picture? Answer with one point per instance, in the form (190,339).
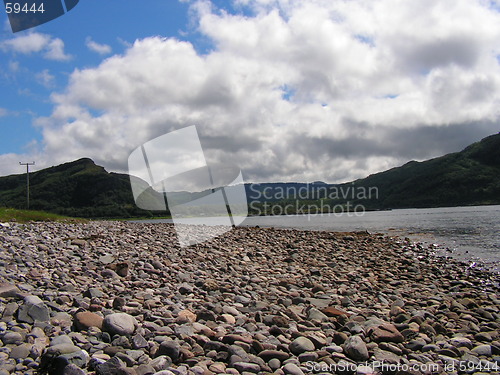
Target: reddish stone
(186,316)
(386,333)
(333,312)
(86,319)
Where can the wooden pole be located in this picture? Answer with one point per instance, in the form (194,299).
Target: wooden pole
(27,182)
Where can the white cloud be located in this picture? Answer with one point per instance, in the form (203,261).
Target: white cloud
(55,51)
(10,162)
(45,78)
(3,112)
(25,44)
(102,49)
(52,48)
(302,90)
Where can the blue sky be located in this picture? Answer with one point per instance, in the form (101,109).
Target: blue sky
(291,90)
(113,23)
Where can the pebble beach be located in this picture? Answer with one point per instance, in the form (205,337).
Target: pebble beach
(124,298)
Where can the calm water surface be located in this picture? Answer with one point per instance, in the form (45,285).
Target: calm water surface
(471,233)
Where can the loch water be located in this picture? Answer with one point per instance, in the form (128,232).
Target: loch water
(467,233)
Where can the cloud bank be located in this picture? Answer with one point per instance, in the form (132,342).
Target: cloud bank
(292,90)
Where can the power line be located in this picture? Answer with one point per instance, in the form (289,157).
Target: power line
(27,182)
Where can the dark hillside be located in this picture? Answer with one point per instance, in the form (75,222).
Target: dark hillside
(79,188)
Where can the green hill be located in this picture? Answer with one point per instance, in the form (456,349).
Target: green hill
(78,189)
(469,177)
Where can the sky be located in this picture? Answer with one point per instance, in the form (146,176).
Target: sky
(288,90)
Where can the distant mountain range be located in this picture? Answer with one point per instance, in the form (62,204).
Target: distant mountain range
(83,189)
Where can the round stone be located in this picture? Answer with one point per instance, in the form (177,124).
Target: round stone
(292,369)
(12,338)
(120,324)
(356,349)
(86,319)
(482,350)
(301,345)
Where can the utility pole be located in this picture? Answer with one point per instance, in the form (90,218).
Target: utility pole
(27,182)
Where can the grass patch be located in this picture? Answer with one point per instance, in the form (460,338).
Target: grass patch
(134,218)
(23,216)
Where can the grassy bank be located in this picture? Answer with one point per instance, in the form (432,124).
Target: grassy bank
(23,216)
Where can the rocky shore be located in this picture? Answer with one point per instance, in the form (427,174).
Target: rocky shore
(123,298)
